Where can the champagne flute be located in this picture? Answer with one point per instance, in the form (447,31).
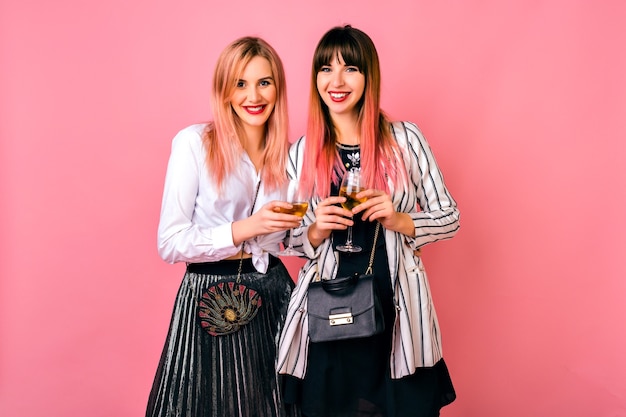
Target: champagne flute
(350,186)
(299,207)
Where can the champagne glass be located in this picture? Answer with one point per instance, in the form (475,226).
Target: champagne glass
(350,186)
(299,206)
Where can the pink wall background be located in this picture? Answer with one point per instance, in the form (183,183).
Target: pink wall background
(524,103)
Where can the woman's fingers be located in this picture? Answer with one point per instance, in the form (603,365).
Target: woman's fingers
(378,205)
(329,215)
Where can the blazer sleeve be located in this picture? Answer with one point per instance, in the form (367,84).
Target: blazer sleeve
(426,198)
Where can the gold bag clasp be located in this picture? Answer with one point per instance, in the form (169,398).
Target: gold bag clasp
(339,319)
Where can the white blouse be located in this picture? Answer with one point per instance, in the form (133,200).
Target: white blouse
(196,221)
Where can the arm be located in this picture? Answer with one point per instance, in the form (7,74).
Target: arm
(322,217)
(424,188)
(439,216)
(195,225)
(180,237)
(265,221)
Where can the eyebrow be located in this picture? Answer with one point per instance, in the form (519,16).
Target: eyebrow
(269,77)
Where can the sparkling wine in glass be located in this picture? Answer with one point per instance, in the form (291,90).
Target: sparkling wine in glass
(350,186)
(299,207)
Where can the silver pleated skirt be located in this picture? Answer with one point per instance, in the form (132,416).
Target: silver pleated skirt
(200,375)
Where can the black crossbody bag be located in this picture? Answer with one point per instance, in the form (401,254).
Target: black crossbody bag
(345,307)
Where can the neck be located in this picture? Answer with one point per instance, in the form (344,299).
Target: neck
(253,143)
(346,130)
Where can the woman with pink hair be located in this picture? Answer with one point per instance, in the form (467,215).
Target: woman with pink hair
(220,215)
(399,372)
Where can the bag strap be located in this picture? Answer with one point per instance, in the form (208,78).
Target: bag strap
(256,195)
(369,265)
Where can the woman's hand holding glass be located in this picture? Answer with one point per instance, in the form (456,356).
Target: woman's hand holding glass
(378,206)
(298,207)
(351,186)
(335,212)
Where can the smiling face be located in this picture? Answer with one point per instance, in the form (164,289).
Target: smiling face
(254,96)
(340,86)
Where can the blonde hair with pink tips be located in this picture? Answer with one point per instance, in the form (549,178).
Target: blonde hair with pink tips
(380,155)
(221,137)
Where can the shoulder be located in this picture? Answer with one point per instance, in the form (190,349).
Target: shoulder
(406,132)
(297,147)
(190,135)
(192,131)
(405,128)
(296,156)
(187,143)
(299,142)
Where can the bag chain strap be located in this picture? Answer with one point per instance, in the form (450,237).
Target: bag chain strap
(369,267)
(371,261)
(256,195)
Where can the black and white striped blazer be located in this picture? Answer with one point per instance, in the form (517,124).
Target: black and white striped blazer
(416,337)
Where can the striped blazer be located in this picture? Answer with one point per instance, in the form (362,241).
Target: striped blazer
(416,341)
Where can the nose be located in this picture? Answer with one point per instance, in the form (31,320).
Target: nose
(254,94)
(337,80)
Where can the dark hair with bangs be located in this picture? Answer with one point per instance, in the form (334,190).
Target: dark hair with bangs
(356,49)
(347,42)
(379,151)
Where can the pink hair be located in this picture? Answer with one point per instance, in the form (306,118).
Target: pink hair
(380,155)
(221,137)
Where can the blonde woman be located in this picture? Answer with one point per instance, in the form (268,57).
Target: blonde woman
(223,187)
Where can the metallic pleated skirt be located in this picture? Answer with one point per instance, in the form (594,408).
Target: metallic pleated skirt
(200,375)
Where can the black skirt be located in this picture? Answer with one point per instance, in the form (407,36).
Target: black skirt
(351,378)
(200,375)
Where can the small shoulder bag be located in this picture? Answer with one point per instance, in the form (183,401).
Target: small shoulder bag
(345,307)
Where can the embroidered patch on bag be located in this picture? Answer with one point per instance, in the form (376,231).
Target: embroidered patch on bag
(227,306)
